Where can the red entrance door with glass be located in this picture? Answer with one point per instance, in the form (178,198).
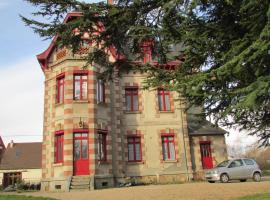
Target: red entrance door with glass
(207,160)
(80,154)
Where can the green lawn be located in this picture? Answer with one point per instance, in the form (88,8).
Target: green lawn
(18,197)
(266,173)
(256,197)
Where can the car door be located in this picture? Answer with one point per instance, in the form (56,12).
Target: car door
(235,169)
(249,167)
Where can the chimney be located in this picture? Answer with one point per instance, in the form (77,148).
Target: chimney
(11,144)
(110,2)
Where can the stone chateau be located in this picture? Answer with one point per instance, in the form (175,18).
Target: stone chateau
(105,134)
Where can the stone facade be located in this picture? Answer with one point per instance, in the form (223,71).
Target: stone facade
(111,117)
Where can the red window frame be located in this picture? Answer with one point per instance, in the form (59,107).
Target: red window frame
(81,81)
(162,93)
(166,139)
(132,92)
(131,140)
(80,135)
(100,91)
(60,82)
(59,147)
(102,144)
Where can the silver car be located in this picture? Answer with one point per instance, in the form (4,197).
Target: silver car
(236,169)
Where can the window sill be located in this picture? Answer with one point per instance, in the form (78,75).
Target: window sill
(133,112)
(59,104)
(80,101)
(102,104)
(167,111)
(103,162)
(169,161)
(135,162)
(58,164)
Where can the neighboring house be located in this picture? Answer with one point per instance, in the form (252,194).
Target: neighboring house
(2,148)
(21,162)
(112,131)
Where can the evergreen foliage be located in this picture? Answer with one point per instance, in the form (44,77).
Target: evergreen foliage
(226,49)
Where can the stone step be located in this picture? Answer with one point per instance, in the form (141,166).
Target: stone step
(79,183)
(80,178)
(79,187)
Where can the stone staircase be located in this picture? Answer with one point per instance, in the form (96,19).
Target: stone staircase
(81,183)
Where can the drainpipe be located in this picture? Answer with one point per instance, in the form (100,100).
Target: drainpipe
(185,150)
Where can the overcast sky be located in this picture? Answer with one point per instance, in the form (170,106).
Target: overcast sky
(21,79)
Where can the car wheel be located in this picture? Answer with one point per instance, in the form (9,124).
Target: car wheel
(257,177)
(211,181)
(224,178)
(243,180)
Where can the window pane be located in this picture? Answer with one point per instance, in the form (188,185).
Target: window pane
(77,134)
(84,149)
(167,102)
(138,151)
(172,151)
(77,77)
(84,90)
(135,103)
(61,94)
(100,91)
(77,90)
(160,102)
(100,147)
(84,77)
(60,148)
(128,103)
(84,134)
(164,151)
(77,149)
(130,139)
(248,162)
(130,152)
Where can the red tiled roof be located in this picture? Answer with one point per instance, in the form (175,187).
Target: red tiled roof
(22,156)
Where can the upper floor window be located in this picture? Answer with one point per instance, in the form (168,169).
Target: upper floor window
(147,51)
(134,149)
(168,148)
(100,91)
(132,103)
(80,86)
(164,100)
(102,150)
(59,147)
(60,89)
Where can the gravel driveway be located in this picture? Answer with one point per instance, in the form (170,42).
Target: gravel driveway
(185,191)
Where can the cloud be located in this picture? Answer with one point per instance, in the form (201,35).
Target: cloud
(21,102)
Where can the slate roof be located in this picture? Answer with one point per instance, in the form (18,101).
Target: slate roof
(204,127)
(22,156)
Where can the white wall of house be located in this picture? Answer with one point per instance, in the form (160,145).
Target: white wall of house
(28,175)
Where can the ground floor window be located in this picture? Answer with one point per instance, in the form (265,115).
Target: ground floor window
(102,150)
(168,148)
(134,149)
(59,147)
(12,178)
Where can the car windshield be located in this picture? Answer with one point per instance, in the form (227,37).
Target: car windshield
(223,164)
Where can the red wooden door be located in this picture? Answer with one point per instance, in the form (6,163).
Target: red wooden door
(80,154)
(207,160)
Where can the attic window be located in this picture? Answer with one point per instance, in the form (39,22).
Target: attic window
(147,51)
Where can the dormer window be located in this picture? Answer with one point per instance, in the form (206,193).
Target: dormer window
(147,51)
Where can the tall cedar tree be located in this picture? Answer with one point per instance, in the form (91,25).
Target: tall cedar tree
(226,49)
